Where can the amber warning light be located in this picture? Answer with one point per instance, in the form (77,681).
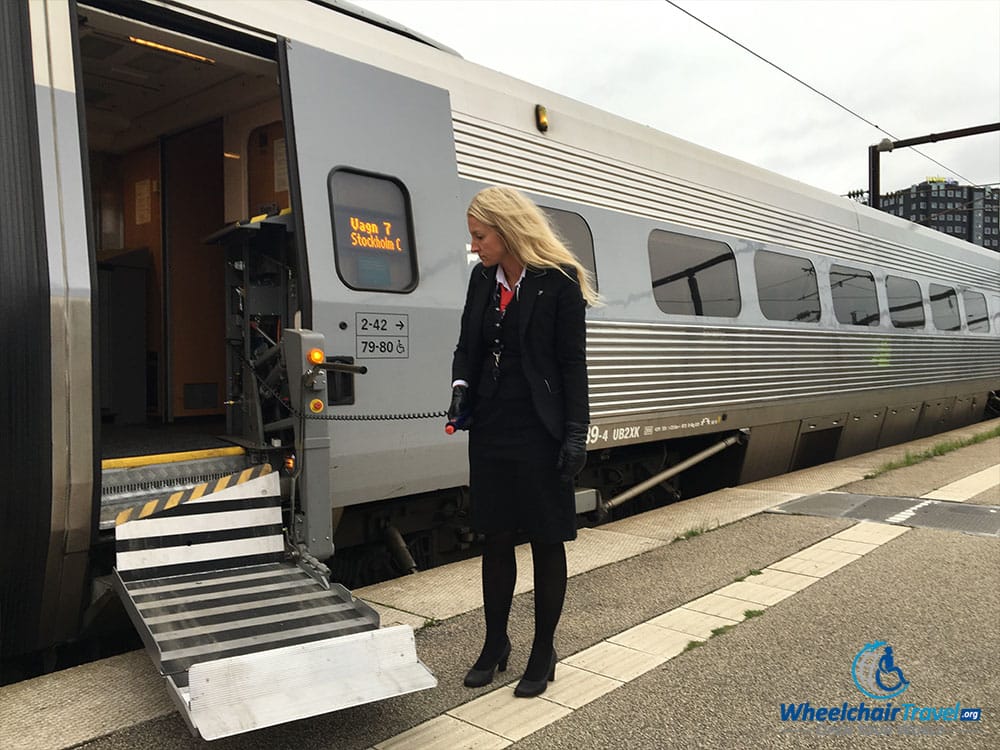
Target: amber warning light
(316,356)
(541,118)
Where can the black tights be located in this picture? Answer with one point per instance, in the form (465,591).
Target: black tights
(499,576)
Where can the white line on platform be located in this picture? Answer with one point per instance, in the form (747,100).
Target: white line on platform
(968,487)
(496,719)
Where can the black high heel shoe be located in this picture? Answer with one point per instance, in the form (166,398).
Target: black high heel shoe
(530,688)
(479,677)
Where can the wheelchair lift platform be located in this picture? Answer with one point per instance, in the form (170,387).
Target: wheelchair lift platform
(244,636)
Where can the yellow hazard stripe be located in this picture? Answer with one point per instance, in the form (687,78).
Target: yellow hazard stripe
(170,458)
(152,507)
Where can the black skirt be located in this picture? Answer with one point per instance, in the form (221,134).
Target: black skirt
(513,482)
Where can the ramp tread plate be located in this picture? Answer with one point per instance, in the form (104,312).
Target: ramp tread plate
(190,619)
(198,580)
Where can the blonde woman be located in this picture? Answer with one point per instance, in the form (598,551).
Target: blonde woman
(519,385)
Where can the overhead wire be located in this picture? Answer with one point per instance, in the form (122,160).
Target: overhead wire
(815,90)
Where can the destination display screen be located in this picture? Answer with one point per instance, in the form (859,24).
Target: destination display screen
(371,224)
(368,231)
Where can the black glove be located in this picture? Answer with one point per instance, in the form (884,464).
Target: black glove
(458,412)
(573,453)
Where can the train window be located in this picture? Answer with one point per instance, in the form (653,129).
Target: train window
(944,308)
(372,233)
(854,299)
(573,230)
(976,316)
(786,286)
(906,306)
(693,276)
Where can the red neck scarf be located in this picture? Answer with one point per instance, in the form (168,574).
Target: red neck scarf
(506,295)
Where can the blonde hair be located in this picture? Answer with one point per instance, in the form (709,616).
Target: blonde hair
(528,234)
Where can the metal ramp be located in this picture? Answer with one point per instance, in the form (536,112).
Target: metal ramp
(245,638)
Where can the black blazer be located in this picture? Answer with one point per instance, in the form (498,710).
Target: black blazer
(553,342)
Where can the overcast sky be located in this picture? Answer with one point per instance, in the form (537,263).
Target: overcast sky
(912,67)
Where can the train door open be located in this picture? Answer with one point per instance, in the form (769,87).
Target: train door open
(383,228)
(187,136)
(173,121)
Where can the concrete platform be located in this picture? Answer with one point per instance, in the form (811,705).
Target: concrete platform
(777,605)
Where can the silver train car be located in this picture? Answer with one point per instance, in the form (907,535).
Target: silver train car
(233,233)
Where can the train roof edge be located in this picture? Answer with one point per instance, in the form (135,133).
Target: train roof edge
(485,93)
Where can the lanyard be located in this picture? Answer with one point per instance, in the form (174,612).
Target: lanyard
(501,299)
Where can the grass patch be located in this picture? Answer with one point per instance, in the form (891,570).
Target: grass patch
(725,628)
(690,534)
(947,446)
(753,572)
(722,631)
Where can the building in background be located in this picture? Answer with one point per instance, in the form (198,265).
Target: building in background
(969,213)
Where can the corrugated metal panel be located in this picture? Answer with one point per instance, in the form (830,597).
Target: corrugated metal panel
(492,153)
(645,367)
